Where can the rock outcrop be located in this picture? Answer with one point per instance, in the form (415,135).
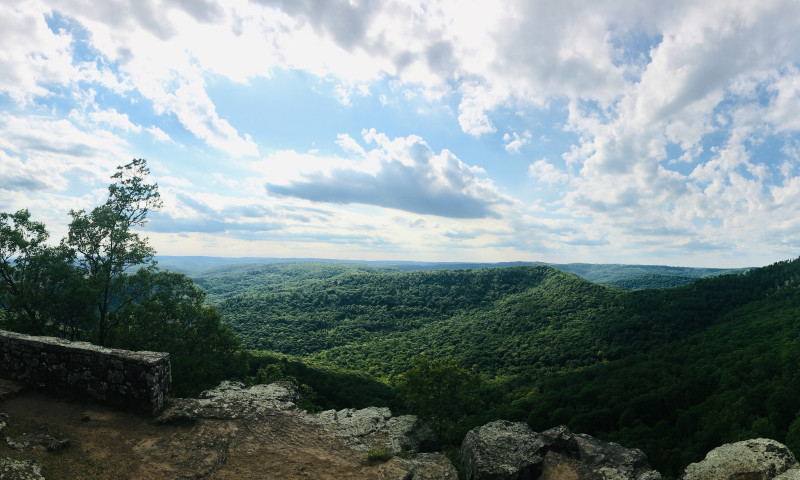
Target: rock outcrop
(360,429)
(234,431)
(504,450)
(376,427)
(757,459)
(232,400)
(425,466)
(500,450)
(38,437)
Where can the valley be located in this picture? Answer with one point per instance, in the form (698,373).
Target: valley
(673,371)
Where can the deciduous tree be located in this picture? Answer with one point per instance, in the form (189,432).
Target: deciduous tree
(107,244)
(440,392)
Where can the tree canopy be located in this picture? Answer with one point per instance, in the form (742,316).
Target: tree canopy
(100,284)
(107,245)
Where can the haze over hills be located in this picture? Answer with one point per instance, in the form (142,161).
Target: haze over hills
(629,277)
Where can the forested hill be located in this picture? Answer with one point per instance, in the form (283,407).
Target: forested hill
(674,371)
(337,305)
(501,320)
(226,270)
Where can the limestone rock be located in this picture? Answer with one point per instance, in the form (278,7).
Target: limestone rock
(502,450)
(791,474)
(375,427)
(505,450)
(757,459)
(609,460)
(425,466)
(20,469)
(232,400)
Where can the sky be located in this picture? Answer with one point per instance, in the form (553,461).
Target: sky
(624,131)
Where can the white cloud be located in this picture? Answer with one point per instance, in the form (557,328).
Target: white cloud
(401,173)
(783,108)
(158,134)
(472,111)
(31,52)
(53,147)
(115,119)
(349,144)
(546,172)
(676,111)
(514,142)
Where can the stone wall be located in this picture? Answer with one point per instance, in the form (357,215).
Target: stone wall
(138,381)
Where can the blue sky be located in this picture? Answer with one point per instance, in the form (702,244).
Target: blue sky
(604,131)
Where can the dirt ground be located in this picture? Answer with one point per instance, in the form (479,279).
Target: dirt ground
(109,444)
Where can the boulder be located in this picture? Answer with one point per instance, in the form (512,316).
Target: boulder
(376,427)
(502,450)
(505,450)
(757,459)
(596,459)
(424,466)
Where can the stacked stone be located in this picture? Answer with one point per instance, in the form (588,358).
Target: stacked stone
(138,381)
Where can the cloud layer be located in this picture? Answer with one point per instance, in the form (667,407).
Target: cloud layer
(403,174)
(629,130)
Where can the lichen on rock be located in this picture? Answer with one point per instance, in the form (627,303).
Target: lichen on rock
(20,469)
(504,450)
(232,400)
(376,427)
(756,459)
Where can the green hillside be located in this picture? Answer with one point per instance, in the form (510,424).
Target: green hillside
(361,305)
(673,371)
(739,378)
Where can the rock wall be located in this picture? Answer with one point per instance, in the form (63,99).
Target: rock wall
(138,381)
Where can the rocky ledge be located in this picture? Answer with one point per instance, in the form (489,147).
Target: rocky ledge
(506,450)
(512,451)
(411,444)
(234,431)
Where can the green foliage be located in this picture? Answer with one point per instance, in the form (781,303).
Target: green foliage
(330,388)
(22,288)
(170,316)
(441,393)
(81,289)
(793,435)
(736,378)
(651,281)
(641,277)
(106,244)
(674,371)
(356,306)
